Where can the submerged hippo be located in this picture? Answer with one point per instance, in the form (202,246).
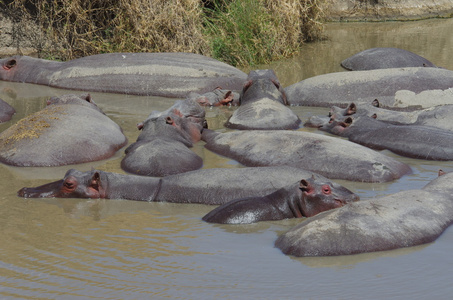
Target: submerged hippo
(384,58)
(404,219)
(263,104)
(218,97)
(415,141)
(70,130)
(342,88)
(303,199)
(162,148)
(152,74)
(206,186)
(326,155)
(6,111)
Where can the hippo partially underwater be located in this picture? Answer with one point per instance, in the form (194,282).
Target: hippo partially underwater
(152,74)
(329,156)
(206,186)
(70,130)
(404,219)
(303,199)
(263,104)
(6,111)
(384,58)
(162,148)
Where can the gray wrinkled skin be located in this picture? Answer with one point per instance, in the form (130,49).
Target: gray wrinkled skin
(263,105)
(342,88)
(207,186)
(384,58)
(6,111)
(415,141)
(328,156)
(150,74)
(306,198)
(404,219)
(61,134)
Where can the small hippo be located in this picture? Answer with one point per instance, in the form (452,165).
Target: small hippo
(384,58)
(70,130)
(342,88)
(263,104)
(6,111)
(329,156)
(150,74)
(404,219)
(206,186)
(415,141)
(304,199)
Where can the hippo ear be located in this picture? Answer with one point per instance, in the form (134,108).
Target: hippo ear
(169,120)
(9,64)
(374,116)
(87,97)
(247,84)
(352,109)
(140,126)
(376,103)
(441,172)
(305,186)
(348,121)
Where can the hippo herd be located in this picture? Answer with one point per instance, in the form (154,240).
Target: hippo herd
(287,172)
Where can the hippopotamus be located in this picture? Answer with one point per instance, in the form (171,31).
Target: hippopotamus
(217,97)
(6,111)
(329,156)
(70,130)
(384,58)
(405,219)
(162,148)
(263,104)
(415,141)
(342,88)
(152,74)
(206,186)
(306,198)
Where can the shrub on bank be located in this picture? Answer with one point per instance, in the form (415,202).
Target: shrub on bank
(237,32)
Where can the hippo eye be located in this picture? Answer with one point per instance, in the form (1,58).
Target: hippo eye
(68,185)
(326,190)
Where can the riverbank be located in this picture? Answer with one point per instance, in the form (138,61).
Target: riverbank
(387,10)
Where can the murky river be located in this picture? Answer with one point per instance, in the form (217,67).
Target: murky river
(117,249)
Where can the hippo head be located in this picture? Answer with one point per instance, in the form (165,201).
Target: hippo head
(9,67)
(262,82)
(321,196)
(75,184)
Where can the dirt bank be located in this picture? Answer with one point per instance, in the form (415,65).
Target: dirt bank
(382,10)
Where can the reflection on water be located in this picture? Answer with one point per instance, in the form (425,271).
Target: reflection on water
(117,249)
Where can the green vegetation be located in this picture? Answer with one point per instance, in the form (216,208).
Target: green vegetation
(239,32)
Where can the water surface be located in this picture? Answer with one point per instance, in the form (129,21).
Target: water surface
(119,249)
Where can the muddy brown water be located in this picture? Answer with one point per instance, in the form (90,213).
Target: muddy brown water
(118,249)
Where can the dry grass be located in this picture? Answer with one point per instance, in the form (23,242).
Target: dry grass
(270,29)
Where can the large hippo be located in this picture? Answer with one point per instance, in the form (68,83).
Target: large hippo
(162,148)
(404,219)
(384,58)
(70,130)
(6,111)
(306,198)
(329,156)
(207,186)
(263,104)
(415,141)
(342,88)
(153,74)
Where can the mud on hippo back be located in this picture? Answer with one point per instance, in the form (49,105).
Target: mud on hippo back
(152,74)
(70,130)
(263,104)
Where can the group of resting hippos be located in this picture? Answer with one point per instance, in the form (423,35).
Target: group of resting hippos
(287,173)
